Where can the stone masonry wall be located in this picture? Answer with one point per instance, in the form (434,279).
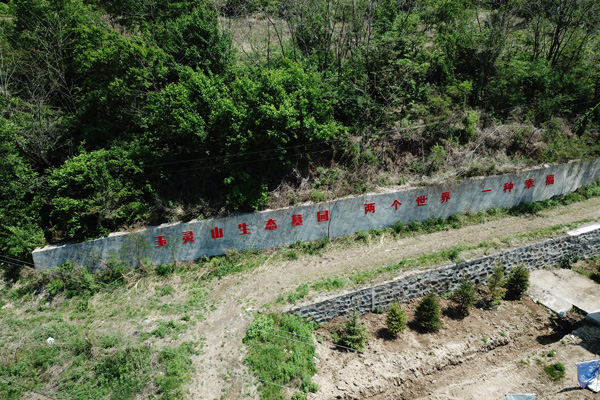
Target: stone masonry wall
(447,278)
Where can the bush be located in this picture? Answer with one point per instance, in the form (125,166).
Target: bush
(464,296)
(427,314)
(396,320)
(164,269)
(281,350)
(517,283)
(354,333)
(568,260)
(555,372)
(495,284)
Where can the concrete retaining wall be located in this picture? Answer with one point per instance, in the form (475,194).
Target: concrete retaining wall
(444,279)
(192,240)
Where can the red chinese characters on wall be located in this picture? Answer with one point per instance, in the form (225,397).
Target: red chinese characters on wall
(160,241)
(216,233)
(445,197)
(271,224)
(323,216)
(529,183)
(188,236)
(244,229)
(296,219)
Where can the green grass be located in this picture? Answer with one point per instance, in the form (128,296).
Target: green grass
(273,357)
(95,355)
(82,364)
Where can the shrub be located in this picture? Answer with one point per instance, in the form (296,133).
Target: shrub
(354,333)
(517,283)
(495,284)
(568,260)
(280,350)
(164,269)
(555,372)
(396,319)
(464,296)
(427,314)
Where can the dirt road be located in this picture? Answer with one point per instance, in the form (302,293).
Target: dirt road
(219,371)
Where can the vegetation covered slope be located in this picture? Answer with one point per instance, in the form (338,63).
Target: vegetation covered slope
(116,114)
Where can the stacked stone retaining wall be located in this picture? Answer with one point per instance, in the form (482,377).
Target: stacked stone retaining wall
(444,279)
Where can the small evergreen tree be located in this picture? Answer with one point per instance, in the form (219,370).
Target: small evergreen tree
(354,333)
(396,319)
(427,314)
(495,284)
(517,283)
(464,296)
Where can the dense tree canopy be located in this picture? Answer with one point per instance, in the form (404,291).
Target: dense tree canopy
(117,113)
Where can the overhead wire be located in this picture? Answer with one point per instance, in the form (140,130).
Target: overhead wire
(297,155)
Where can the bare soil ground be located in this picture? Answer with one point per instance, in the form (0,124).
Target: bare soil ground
(483,356)
(479,372)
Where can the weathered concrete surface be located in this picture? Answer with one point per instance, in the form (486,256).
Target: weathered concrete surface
(557,287)
(345,216)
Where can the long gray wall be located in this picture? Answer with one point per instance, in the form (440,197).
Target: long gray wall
(444,279)
(166,243)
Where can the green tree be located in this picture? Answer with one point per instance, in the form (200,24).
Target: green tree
(194,39)
(354,333)
(396,320)
(495,283)
(517,282)
(464,295)
(427,314)
(20,204)
(95,193)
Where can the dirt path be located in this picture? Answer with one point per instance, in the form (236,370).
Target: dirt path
(218,369)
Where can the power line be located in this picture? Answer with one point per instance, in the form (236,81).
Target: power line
(378,139)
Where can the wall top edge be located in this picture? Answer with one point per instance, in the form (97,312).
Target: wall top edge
(391,190)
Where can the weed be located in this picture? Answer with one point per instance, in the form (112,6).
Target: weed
(164,269)
(164,290)
(328,284)
(273,358)
(551,353)
(300,293)
(361,236)
(568,260)
(317,196)
(555,372)
(167,328)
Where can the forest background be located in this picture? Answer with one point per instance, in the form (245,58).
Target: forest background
(116,115)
